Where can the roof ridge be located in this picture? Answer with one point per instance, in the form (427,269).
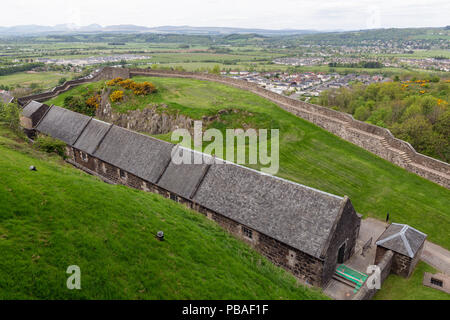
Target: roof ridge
(406,243)
(45,114)
(82,130)
(266,174)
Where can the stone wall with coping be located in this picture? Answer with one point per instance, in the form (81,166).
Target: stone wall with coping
(377,140)
(385,262)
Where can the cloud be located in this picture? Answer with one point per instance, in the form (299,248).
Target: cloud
(280,14)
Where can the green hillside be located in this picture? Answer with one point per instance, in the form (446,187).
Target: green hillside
(308,154)
(59,216)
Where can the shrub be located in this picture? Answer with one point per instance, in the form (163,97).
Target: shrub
(116,96)
(94,101)
(114,81)
(10,115)
(127,83)
(143,88)
(362,113)
(50,145)
(78,104)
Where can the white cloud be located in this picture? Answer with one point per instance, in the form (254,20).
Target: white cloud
(280,14)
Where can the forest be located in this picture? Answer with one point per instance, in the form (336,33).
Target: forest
(415,110)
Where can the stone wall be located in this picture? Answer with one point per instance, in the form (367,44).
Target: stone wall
(385,264)
(377,140)
(41,97)
(108,73)
(306,268)
(346,232)
(401,265)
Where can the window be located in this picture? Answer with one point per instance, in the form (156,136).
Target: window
(247,232)
(173,197)
(84,156)
(436,282)
(123,174)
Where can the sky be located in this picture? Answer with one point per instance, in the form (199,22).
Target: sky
(266,14)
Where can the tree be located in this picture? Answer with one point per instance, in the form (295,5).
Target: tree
(10,115)
(215,69)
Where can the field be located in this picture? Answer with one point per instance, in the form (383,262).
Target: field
(45,80)
(59,216)
(310,155)
(399,288)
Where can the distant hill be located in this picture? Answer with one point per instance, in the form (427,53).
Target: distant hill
(95,28)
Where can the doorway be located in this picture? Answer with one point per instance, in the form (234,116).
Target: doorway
(341,253)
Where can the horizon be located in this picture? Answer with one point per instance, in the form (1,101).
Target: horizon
(75,27)
(328,15)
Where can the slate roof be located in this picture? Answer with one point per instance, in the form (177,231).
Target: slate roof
(63,124)
(92,136)
(182,178)
(136,153)
(402,238)
(5,97)
(294,214)
(31,108)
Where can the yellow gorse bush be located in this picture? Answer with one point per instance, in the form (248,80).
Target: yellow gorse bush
(116,96)
(113,82)
(139,89)
(94,101)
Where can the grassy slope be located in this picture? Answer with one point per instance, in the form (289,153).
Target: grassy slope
(399,288)
(60,216)
(314,157)
(45,79)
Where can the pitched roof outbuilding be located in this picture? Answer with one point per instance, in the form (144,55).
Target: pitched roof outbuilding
(402,238)
(294,214)
(31,108)
(5,97)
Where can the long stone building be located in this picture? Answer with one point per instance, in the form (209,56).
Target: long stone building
(304,230)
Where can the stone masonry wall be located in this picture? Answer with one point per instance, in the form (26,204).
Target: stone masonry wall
(385,261)
(305,267)
(377,140)
(401,265)
(346,232)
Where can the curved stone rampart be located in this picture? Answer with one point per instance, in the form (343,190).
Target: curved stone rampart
(377,140)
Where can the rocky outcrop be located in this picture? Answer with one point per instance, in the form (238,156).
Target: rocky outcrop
(152,119)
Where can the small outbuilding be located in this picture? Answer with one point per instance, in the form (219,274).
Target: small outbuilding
(406,243)
(5,97)
(31,116)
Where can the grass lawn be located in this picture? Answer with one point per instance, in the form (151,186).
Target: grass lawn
(45,79)
(59,216)
(399,288)
(310,155)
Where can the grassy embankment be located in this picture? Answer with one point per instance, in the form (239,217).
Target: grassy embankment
(308,154)
(59,216)
(399,288)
